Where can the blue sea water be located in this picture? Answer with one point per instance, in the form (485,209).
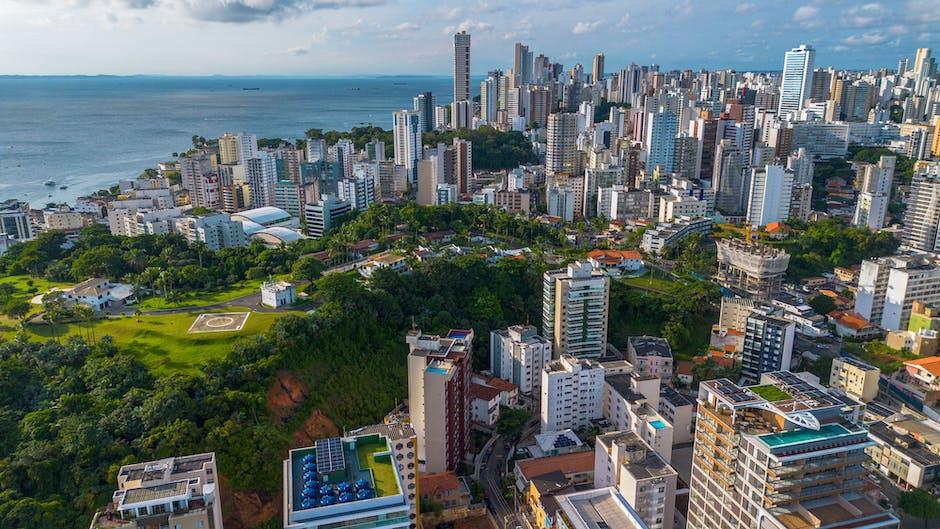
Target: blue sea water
(89,132)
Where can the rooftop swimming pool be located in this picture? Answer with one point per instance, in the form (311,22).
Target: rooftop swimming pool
(803,435)
(658,424)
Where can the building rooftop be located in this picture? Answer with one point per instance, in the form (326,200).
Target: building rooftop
(855,362)
(357,468)
(931,364)
(573,463)
(910,437)
(673,397)
(598,509)
(650,346)
(642,461)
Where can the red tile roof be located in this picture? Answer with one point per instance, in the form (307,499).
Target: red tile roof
(438,483)
(573,463)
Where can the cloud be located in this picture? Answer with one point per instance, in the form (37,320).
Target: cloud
(866,15)
(470,26)
(745,8)
(586,27)
(865,39)
(624,20)
(806,16)
(407,26)
(682,8)
(923,11)
(299,50)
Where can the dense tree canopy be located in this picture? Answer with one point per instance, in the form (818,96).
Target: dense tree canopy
(820,246)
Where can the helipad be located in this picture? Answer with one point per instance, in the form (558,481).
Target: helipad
(219,322)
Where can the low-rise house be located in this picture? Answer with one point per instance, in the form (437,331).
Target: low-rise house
(922,378)
(551,444)
(484,404)
(849,324)
(616,260)
(389,260)
(276,294)
(98,293)
(576,467)
(444,497)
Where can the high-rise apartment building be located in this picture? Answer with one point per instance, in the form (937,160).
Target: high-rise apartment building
(575,307)
(796,81)
(769,195)
(463,165)
(462,66)
(561,155)
(768,345)
(786,454)
(406,125)
(597,72)
(660,140)
(439,397)
(871,209)
(518,354)
(237,148)
(889,286)
(200,181)
(323,215)
(922,218)
(261,176)
(728,179)
(179,492)
(216,230)
(424,106)
(522,64)
(646,481)
(572,393)
(359,191)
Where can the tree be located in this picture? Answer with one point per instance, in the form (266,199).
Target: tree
(822,304)
(16,309)
(307,268)
(920,503)
(54,309)
(511,422)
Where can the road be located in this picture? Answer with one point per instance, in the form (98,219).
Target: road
(493,476)
(907,522)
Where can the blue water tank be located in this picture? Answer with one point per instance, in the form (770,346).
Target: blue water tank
(364,494)
(345,497)
(363,484)
(327,500)
(326,489)
(309,503)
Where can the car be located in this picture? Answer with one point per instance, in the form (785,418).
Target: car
(875,479)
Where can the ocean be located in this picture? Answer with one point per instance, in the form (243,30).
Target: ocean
(89,132)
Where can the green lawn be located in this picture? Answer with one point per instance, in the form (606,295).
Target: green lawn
(658,282)
(770,393)
(383,470)
(160,341)
(26,288)
(238,290)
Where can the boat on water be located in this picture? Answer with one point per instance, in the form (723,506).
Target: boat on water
(63,187)
(49,183)
(250,88)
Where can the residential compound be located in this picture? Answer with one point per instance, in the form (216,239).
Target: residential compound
(856,378)
(575,306)
(572,393)
(786,453)
(178,492)
(439,396)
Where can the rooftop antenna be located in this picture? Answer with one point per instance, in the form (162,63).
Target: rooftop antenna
(413,324)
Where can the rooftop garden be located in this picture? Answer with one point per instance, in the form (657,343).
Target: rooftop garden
(770,393)
(383,471)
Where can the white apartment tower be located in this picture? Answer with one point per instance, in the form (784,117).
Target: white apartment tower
(561,155)
(797,79)
(407,130)
(518,354)
(572,393)
(575,308)
(872,206)
(769,195)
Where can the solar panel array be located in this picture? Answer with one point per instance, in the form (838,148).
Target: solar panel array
(733,392)
(563,441)
(805,394)
(330,457)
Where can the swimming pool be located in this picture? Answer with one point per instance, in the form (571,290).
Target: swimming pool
(803,435)
(658,424)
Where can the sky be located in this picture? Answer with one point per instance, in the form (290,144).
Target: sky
(380,37)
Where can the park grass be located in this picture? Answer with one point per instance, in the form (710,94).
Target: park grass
(161,341)
(658,282)
(200,299)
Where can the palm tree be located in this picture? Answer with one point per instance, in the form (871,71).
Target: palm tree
(53,306)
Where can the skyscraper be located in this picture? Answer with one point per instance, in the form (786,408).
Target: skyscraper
(424,106)
(261,175)
(768,345)
(598,71)
(522,64)
(407,130)
(575,310)
(561,155)
(237,148)
(661,128)
(462,66)
(797,79)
